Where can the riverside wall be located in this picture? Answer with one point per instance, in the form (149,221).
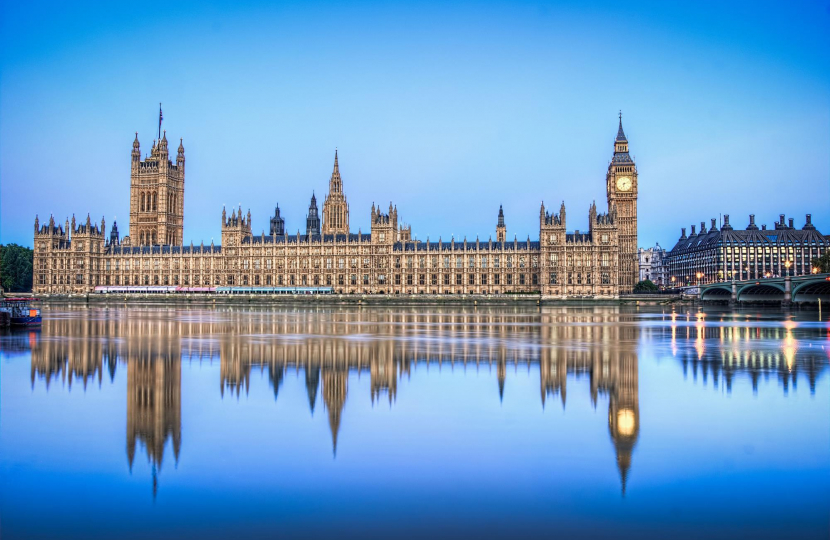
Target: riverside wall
(350,299)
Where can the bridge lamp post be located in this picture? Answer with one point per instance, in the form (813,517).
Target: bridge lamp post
(814,270)
(698,276)
(787,265)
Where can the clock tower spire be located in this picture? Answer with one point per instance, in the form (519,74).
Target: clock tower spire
(621,186)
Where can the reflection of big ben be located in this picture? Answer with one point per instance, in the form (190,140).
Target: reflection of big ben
(624,413)
(621,186)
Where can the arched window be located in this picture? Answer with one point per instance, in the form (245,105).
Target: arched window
(155,202)
(142,202)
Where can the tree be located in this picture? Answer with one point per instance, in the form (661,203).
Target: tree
(822,263)
(646,286)
(16,268)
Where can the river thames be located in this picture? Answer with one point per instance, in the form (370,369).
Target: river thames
(406,422)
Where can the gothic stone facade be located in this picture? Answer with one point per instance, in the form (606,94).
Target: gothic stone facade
(599,262)
(157,195)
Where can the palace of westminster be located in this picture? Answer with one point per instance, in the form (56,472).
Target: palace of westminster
(600,262)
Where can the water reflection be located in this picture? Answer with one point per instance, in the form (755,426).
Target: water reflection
(727,344)
(601,343)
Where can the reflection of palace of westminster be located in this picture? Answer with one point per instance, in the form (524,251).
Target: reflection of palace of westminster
(322,347)
(599,262)
(594,342)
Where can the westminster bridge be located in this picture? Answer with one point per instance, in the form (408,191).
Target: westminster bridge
(810,288)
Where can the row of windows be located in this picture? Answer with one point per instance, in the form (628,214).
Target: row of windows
(353,279)
(578,278)
(571,278)
(340,263)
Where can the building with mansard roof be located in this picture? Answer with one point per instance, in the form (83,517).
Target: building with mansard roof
(600,261)
(710,255)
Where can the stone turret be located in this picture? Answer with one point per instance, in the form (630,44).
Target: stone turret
(136,154)
(235,228)
(384,227)
(312,220)
(180,155)
(277,229)
(501,229)
(114,239)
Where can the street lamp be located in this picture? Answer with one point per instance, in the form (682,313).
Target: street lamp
(814,270)
(787,264)
(698,276)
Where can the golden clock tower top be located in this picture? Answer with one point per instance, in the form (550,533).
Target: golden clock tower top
(622,171)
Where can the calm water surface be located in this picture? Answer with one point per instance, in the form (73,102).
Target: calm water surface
(412,422)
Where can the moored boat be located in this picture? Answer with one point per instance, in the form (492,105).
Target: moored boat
(21,311)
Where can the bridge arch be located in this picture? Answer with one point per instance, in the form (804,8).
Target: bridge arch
(761,292)
(717,292)
(811,290)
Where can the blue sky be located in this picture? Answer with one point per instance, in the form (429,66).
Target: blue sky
(446,109)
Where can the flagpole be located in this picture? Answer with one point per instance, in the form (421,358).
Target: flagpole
(159,138)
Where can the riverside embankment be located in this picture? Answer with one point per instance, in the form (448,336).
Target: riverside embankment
(368,299)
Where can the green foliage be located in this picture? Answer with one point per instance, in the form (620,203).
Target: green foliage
(645,287)
(822,263)
(16,268)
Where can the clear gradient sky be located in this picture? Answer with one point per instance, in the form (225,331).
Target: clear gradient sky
(447,109)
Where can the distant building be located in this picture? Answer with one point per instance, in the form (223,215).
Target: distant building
(753,253)
(652,265)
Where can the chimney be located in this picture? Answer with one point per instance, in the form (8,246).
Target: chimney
(792,225)
(782,220)
(714,225)
(764,227)
(682,233)
(809,219)
(693,231)
(702,227)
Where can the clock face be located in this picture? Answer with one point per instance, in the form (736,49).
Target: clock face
(624,183)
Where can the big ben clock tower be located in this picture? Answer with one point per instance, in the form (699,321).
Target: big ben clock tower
(621,185)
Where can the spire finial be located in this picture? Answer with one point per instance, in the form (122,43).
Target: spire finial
(620,133)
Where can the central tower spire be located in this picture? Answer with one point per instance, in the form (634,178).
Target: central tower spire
(335,207)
